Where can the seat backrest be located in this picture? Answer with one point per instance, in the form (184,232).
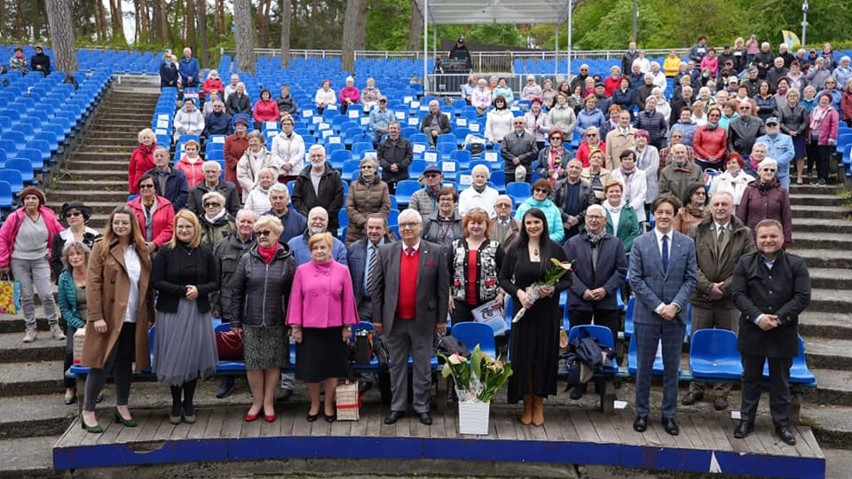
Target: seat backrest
(471,334)
(713,343)
(601,333)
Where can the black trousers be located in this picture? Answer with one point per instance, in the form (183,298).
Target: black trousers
(779,388)
(609,319)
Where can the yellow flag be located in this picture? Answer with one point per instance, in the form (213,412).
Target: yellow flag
(791,39)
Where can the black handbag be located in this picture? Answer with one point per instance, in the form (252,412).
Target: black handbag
(448,345)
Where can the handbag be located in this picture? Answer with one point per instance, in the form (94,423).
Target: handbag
(363,347)
(10,296)
(229,344)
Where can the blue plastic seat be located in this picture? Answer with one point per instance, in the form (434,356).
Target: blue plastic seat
(799,372)
(404,190)
(416,168)
(713,355)
(16,137)
(24,166)
(6,198)
(360,147)
(450,169)
(632,360)
(604,337)
(471,334)
(419,138)
(628,317)
(13,177)
(351,168)
(518,191)
(339,158)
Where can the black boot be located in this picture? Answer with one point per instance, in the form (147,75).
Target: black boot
(188,394)
(174,417)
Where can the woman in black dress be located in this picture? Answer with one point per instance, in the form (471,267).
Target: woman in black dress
(534,342)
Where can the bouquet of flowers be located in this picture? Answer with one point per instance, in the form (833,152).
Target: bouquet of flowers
(550,278)
(477,378)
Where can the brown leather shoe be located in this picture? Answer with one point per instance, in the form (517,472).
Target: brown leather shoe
(691,398)
(526,418)
(720,403)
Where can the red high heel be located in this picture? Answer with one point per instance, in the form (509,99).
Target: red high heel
(269,418)
(251,417)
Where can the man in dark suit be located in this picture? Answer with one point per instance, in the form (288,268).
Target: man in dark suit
(518,149)
(435,123)
(663,276)
(599,270)
(411,292)
(362,256)
(771,288)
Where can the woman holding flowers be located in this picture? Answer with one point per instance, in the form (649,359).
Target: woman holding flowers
(534,342)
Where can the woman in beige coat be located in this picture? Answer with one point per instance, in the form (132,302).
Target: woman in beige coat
(368,194)
(118,297)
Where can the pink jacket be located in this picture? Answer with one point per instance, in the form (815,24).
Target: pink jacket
(829,128)
(322,296)
(349,93)
(10,228)
(193,171)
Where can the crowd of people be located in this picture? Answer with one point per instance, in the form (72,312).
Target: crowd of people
(692,211)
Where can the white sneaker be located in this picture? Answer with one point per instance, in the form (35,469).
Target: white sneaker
(30,335)
(57,333)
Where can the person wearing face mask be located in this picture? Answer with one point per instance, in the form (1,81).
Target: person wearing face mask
(142,159)
(255,159)
(170,183)
(710,142)
(600,267)
(679,174)
(319,185)
(779,147)
(764,198)
(573,196)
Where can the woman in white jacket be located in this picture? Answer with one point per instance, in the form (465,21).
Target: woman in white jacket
(734,180)
(635,184)
(256,158)
(289,148)
(498,122)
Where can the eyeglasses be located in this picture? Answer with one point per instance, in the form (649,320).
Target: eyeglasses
(445,200)
(412,224)
(432,175)
(768,170)
(146,186)
(264,233)
(212,205)
(830,83)
(591,135)
(555,138)
(502,205)
(540,190)
(72,214)
(594,217)
(745,108)
(367,167)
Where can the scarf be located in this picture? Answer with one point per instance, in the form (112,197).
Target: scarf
(627,181)
(613,210)
(554,166)
(218,215)
(817,118)
(684,167)
(697,211)
(267,253)
(710,126)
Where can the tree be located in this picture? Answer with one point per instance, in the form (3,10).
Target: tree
(286,20)
(415,28)
(202,30)
(61,27)
(354,32)
(244,35)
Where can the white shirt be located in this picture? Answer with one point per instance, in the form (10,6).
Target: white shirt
(134,270)
(659,234)
(470,198)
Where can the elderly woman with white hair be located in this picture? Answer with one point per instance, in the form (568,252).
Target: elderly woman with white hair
(478,194)
(216,223)
(255,159)
(349,95)
(212,83)
(531,89)
(325,96)
(367,194)
(370,95)
(764,198)
(142,159)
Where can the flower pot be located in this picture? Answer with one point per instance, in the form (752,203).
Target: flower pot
(473,417)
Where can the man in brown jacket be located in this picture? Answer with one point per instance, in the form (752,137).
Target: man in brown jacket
(618,140)
(721,240)
(678,175)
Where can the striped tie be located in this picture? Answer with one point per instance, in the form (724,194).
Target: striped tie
(372,258)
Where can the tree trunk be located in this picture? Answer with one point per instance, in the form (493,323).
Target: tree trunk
(202,31)
(101,22)
(189,24)
(286,20)
(263,23)
(20,27)
(313,24)
(244,35)
(61,27)
(354,32)
(164,22)
(415,28)
(116,19)
(219,21)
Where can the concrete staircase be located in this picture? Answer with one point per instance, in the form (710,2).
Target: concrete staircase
(96,171)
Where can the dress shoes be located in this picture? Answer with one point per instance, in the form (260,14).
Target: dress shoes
(670,425)
(393,417)
(251,417)
(720,403)
(330,417)
(577,392)
(786,435)
(744,428)
(640,424)
(425,418)
(226,388)
(691,398)
(269,418)
(313,417)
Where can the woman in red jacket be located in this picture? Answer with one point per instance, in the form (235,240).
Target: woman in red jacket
(142,159)
(190,164)
(711,142)
(213,82)
(266,109)
(154,213)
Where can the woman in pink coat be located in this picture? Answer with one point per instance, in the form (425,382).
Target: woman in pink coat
(321,312)
(265,109)
(142,159)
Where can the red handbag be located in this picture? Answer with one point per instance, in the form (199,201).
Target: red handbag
(229,344)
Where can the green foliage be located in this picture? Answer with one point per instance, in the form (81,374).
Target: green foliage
(387,24)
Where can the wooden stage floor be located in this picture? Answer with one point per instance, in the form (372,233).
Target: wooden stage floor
(570,435)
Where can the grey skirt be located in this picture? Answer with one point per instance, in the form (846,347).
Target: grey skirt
(265,347)
(184,345)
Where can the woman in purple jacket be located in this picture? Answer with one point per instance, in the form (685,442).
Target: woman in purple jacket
(321,313)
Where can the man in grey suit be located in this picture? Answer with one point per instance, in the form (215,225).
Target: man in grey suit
(519,149)
(663,274)
(411,292)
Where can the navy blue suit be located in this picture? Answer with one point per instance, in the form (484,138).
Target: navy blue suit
(653,286)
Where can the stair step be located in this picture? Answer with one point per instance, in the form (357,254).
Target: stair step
(827,212)
(25,379)
(15,323)
(816,200)
(111,175)
(36,415)
(92,185)
(98,161)
(813,324)
(57,198)
(826,258)
(820,240)
(45,348)
(828,300)
(828,278)
(820,225)
(834,387)
(832,425)
(813,189)
(99,206)
(29,457)
(829,353)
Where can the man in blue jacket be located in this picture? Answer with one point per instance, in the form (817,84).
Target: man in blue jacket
(188,69)
(779,147)
(170,183)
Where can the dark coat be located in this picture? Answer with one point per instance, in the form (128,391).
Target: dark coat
(330,195)
(609,273)
(713,267)
(397,152)
(177,188)
(654,124)
(225,188)
(174,270)
(761,201)
(525,148)
(443,124)
(286,105)
(356,257)
(238,104)
(227,254)
(40,60)
(260,292)
(784,290)
(168,75)
(217,124)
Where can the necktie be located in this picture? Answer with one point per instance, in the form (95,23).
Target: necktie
(665,255)
(720,241)
(409,251)
(371,265)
